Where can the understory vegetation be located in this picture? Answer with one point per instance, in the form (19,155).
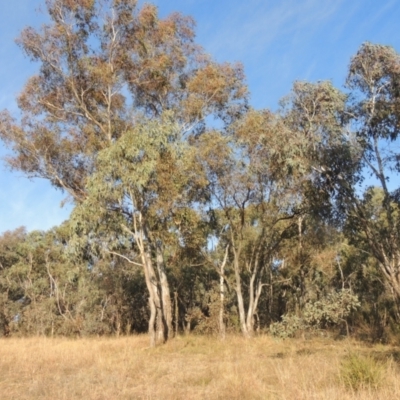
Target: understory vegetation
(193,211)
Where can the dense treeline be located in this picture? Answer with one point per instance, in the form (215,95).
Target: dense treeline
(194,211)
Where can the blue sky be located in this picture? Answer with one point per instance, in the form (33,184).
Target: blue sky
(277,41)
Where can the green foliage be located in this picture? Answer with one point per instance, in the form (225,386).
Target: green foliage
(287,327)
(124,128)
(47,292)
(361,372)
(331,310)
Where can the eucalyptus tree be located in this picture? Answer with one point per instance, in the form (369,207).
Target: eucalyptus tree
(374,110)
(316,112)
(254,179)
(105,66)
(352,148)
(102,62)
(139,207)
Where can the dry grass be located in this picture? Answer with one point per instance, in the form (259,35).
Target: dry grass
(187,368)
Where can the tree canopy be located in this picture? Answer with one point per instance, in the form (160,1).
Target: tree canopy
(193,210)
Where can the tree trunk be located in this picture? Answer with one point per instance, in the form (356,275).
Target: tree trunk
(222,328)
(250,309)
(166,304)
(239,294)
(222,300)
(155,320)
(176,305)
(160,321)
(254,297)
(152,320)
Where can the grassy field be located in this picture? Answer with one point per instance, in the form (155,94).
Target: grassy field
(193,367)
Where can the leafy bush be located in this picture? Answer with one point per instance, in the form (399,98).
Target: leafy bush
(329,311)
(288,327)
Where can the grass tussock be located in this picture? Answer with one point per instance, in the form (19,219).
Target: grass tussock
(194,367)
(358,371)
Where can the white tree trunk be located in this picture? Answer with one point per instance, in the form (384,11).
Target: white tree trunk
(239,295)
(222,329)
(166,303)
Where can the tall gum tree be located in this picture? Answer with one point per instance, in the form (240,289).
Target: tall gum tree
(144,186)
(350,140)
(374,109)
(316,112)
(104,66)
(253,182)
(102,62)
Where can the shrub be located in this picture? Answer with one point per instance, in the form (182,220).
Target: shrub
(329,311)
(359,372)
(288,327)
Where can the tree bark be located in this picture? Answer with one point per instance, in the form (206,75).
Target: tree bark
(239,294)
(176,305)
(160,321)
(221,322)
(166,305)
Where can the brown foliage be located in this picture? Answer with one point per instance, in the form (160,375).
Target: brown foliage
(102,64)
